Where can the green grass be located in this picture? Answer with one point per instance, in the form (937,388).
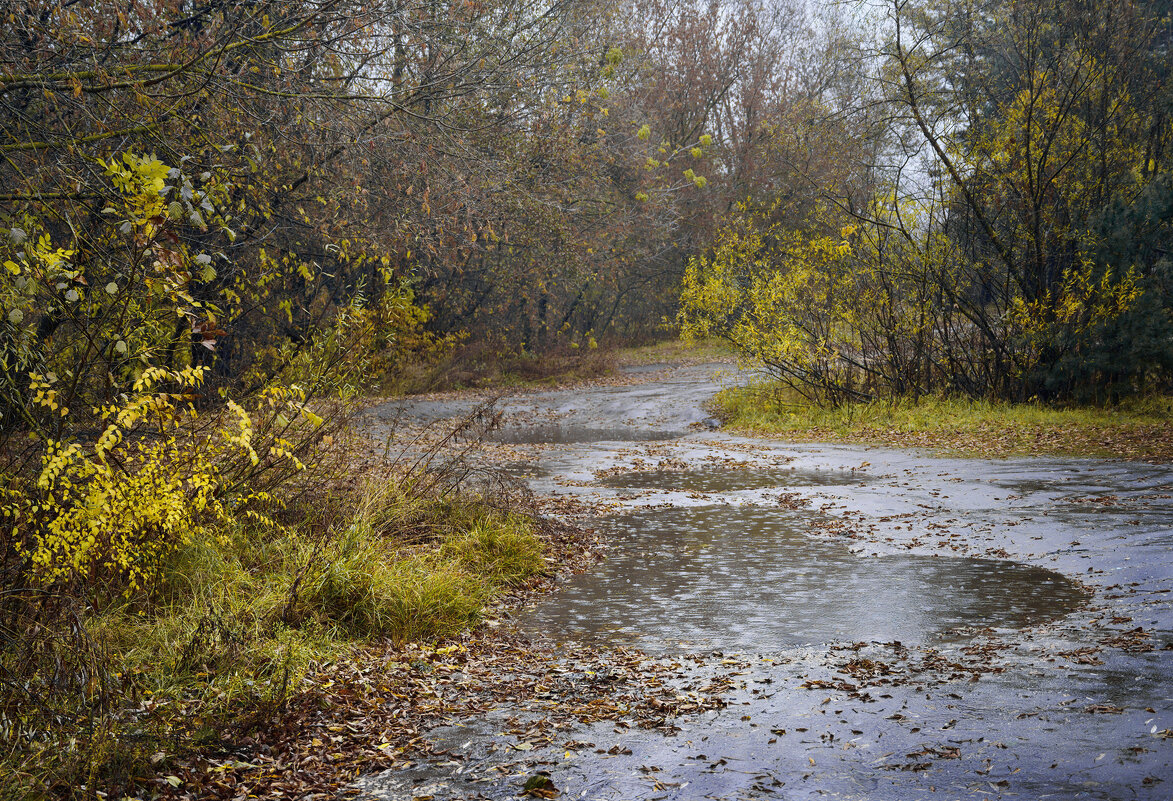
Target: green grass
(1138,429)
(370,588)
(500,550)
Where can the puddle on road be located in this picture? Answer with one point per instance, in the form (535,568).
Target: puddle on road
(750,579)
(733,479)
(571,434)
(522,471)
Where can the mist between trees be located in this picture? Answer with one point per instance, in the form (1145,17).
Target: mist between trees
(220,220)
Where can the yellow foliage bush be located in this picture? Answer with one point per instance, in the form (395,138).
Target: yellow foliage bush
(844,312)
(787,299)
(112,510)
(1086,297)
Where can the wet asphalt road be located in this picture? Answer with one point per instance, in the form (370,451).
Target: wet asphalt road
(895,625)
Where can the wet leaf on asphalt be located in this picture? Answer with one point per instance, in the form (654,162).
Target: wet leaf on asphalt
(539,786)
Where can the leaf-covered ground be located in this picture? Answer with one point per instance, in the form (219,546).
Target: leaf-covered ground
(1152,443)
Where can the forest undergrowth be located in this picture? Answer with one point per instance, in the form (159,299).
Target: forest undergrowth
(470,366)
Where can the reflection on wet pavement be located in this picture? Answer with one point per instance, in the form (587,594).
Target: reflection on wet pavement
(555,433)
(733,479)
(751,579)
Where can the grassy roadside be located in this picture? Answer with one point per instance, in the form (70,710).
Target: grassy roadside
(468,367)
(1141,430)
(244,619)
